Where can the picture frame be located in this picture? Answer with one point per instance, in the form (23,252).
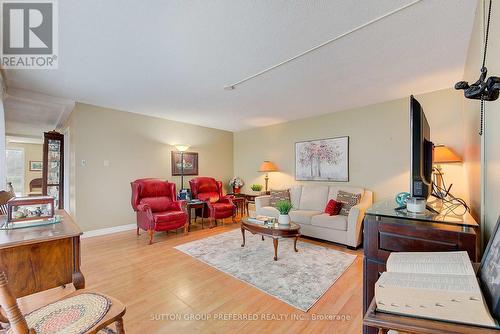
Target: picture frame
(322,160)
(190,163)
(489,272)
(36,166)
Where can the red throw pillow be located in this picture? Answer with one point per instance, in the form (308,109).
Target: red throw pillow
(333,207)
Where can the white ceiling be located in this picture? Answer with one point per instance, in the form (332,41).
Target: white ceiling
(28,114)
(173,58)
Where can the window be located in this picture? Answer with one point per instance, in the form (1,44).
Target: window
(15,170)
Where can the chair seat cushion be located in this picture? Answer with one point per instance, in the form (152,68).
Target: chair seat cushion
(223,206)
(169,216)
(337,222)
(75,314)
(211,197)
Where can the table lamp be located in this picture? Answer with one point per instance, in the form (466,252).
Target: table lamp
(443,155)
(266,167)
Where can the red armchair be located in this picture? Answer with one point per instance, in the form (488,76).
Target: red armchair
(156,206)
(209,190)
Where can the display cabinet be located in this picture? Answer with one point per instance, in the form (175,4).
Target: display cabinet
(53,167)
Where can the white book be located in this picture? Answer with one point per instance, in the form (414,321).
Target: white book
(435,285)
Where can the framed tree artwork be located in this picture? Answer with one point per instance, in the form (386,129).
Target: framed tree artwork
(190,160)
(322,160)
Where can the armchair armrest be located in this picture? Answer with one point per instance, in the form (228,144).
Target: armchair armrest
(355,219)
(145,217)
(262,201)
(144,208)
(181,204)
(226,199)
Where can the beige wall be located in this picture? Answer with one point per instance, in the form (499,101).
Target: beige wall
(136,146)
(32,152)
(490,145)
(492,132)
(378,149)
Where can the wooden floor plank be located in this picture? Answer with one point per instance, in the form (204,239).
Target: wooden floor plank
(159,281)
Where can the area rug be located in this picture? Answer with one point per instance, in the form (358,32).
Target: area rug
(299,279)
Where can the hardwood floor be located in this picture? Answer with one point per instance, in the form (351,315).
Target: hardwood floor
(157,283)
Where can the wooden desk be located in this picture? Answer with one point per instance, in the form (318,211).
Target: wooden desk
(386,321)
(43,257)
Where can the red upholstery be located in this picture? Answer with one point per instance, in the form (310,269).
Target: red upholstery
(156,206)
(209,190)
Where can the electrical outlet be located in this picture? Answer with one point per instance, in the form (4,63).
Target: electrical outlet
(106,163)
(83,163)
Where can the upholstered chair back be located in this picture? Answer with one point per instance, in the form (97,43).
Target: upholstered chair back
(206,188)
(155,193)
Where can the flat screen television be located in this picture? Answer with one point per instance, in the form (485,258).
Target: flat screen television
(422,151)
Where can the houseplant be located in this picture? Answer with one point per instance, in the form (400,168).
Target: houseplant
(236,183)
(256,187)
(284,207)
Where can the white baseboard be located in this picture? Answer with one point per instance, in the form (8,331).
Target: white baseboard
(109,230)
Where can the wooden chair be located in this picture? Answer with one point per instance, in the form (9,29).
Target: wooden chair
(5,196)
(36,184)
(19,324)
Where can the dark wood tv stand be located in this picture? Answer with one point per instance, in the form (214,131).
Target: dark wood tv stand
(387,231)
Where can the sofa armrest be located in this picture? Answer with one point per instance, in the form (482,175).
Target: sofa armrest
(355,220)
(262,201)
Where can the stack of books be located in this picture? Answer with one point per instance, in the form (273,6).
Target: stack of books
(262,220)
(433,285)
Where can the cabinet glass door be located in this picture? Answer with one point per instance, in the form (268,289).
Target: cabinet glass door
(53,167)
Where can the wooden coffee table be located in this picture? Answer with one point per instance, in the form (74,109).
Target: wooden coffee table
(275,232)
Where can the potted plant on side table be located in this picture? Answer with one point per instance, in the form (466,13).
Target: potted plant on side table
(284,208)
(256,188)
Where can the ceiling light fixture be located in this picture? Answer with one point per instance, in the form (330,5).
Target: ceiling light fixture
(233,86)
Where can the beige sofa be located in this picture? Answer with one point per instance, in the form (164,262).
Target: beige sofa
(309,202)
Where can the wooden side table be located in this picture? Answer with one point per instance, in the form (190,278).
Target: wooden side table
(42,257)
(196,205)
(240,204)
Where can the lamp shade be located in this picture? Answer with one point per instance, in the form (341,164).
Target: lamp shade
(181,147)
(444,154)
(268,166)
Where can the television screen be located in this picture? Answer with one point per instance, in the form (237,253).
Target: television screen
(422,150)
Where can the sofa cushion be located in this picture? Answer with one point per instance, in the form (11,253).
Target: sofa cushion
(333,191)
(278,195)
(295,192)
(348,201)
(337,222)
(313,198)
(333,207)
(269,211)
(303,216)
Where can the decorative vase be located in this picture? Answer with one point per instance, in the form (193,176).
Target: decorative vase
(284,219)
(236,190)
